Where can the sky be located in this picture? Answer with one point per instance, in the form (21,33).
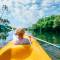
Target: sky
(24,13)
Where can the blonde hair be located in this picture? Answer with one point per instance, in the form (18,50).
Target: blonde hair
(20,31)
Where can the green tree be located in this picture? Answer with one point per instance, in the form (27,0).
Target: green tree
(4,28)
(50,23)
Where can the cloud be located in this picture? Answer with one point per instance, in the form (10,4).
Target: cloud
(26,12)
(23,1)
(57,1)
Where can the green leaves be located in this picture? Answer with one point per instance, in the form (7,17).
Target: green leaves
(4,28)
(47,23)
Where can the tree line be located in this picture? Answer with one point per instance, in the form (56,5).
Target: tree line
(46,24)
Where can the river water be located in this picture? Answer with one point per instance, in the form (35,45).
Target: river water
(53,38)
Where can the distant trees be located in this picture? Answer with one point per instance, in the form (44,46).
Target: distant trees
(50,23)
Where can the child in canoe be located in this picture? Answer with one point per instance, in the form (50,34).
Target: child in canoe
(20,37)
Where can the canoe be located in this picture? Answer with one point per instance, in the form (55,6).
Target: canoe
(23,52)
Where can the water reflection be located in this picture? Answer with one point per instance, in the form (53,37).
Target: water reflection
(50,37)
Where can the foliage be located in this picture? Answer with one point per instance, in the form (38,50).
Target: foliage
(4,28)
(50,23)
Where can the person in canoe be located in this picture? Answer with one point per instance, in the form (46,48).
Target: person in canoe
(20,37)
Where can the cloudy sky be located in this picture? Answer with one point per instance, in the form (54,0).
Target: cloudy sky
(23,13)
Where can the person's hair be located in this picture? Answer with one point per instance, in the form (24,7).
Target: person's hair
(20,31)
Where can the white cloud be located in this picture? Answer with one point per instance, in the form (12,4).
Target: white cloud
(41,13)
(33,7)
(23,1)
(47,3)
(20,13)
(25,10)
(33,1)
(57,1)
